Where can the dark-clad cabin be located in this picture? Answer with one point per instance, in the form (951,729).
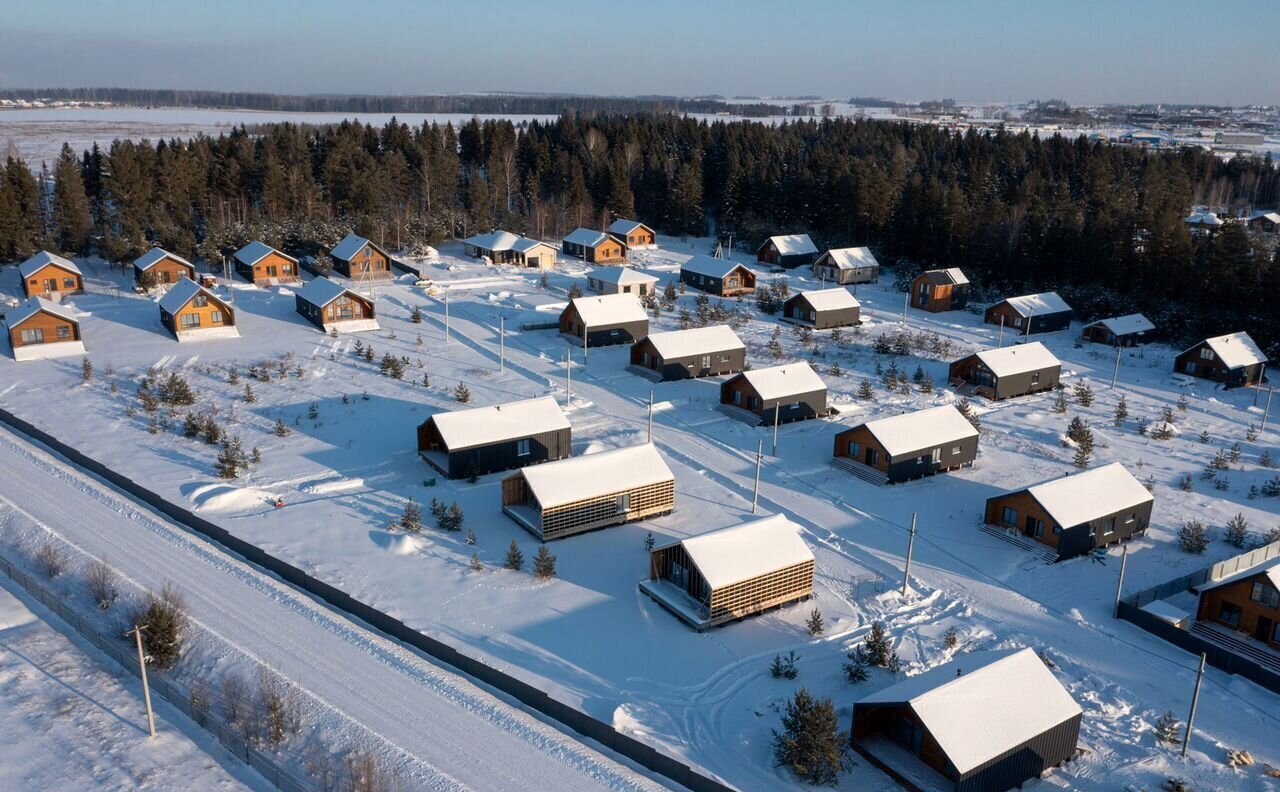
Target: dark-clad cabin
(42,329)
(1233,359)
(484,440)
(621,280)
(985,722)
(786,393)
(192,313)
(940,290)
(160,269)
(1004,373)
(684,354)
(731,573)
(1120,331)
(1031,313)
(788,250)
(584,493)
(1246,602)
(263,265)
(1078,513)
(845,266)
(605,320)
(50,276)
(823,309)
(909,446)
(635,235)
(331,307)
(503,247)
(1264,222)
(357,257)
(595,247)
(720,277)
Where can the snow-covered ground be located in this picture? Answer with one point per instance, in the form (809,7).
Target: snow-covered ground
(590,637)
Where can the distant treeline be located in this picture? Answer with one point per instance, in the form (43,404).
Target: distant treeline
(484,104)
(1103,224)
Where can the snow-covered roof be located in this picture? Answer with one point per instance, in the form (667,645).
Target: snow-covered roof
(484,425)
(625,227)
(594,475)
(913,431)
(609,309)
(1018,359)
(255,251)
(587,237)
(182,293)
(1077,499)
(34,306)
(952,275)
(43,259)
(1273,217)
(1038,304)
(322,291)
(1126,325)
(348,247)
(709,266)
(1269,570)
(621,275)
(1166,612)
(740,552)
(1203,218)
(494,240)
(852,257)
(834,299)
(525,244)
(1235,350)
(695,341)
(779,382)
(792,244)
(156,255)
(999,701)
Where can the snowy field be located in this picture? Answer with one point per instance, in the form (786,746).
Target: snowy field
(590,637)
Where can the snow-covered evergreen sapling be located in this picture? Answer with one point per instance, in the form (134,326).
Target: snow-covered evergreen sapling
(471,537)
(544,564)
(281,428)
(1169,729)
(1060,402)
(866,390)
(86,369)
(249,396)
(649,541)
(784,666)
(411,519)
(462,394)
(1122,412)
(1193,537)
(855,667)
(810,743)
(951,638)
(416,315)
(814,623)
(476,565)
(514,559)
(1237,531)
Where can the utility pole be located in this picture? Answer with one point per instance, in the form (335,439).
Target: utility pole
(755,497)
(146,689)
(1000,342)
(777,409)
(502,343)
(906,301)
(911,547)
(446,318)
(1257,386)
(585,334)
(1267,411)
(1030,318)
(568,377)
(1124,560)
(651,415)
(1116,371)
(1195,699)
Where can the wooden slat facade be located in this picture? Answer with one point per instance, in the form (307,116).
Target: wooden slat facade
(737,600)
(588,514)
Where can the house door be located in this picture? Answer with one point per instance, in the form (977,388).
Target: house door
(1029,528)
(1190,367)
(1262,630)
(51,284)
(872,457)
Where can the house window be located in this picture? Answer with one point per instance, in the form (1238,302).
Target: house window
(737,397)
(1040,528)
(937,455)
(1230,614)
(1009,517)
(1206,353)
(1057,529)
(68,283)
(522,447)
(1017,321)
(854,449)
(1129,520)
(189,320)
(624,503)
(724,358)
(706,361)
(64,332)
(35,336)
(955,450)
(215,317)
(200,301)
(1266,595)
(1035,378)
(1109,526)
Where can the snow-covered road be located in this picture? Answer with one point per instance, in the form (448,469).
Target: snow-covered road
(460,736)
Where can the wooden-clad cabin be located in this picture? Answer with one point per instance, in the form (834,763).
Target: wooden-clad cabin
(1247,601)
(621,280)
(720,277)
(263,265)
(584,493)
(731,573)
(985,721)
(1004,373)
(1233,359)
(939,290)
(844,266)
(1119,331)
(781,394)
(1031,313)
(484,440)
(595,247)
(909,446)
(1075,514)
(42,329)
(50,276)
(193,313)
(357,257)
(823,309)
(685,354)
(331,307)
(1264,222)
(605,320)
(787,250)
(160,269)
(634,234)
(503,247)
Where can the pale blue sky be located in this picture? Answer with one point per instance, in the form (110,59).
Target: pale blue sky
(1081,50)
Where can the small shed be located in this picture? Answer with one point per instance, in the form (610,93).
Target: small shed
(357,257)
(503,247)
(634,234)
(484,440)
(1075,514)
(939,290)
(584,493)
(697,352)
(1203,223)
(721,277)
(778,394)
(788,250)
(846,266)
(595,247)
(1233,359)
(1031,313)
(193,313)
(1119,331)
(985,721)
(50,276)
(1004,373)
(621,280)
(909,446)
(731,573)
(605,320)
(161,269)
(331,307)
(823,309)
(1248,601)
(263,265)
(40,329)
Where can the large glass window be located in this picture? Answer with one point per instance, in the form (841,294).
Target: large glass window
(1009,516)
(1266,595)
(1230,614)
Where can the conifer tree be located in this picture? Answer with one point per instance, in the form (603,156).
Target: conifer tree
(814,624)
(544,564)
(515,558)
(411,519)
(810,744)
